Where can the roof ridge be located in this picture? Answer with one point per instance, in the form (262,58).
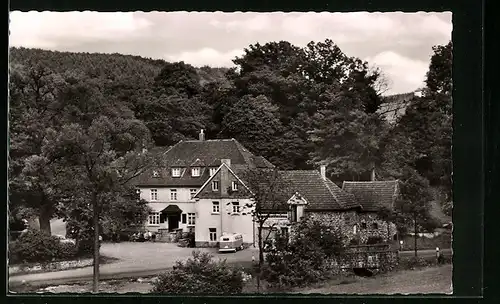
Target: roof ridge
(300,170)
(216,139)
(365,182)
(242,150)
(330,190)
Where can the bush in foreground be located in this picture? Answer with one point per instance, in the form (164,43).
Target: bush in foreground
(308,257)
(36,246)
(200,274)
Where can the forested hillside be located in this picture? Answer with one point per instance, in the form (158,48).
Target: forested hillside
(298,107)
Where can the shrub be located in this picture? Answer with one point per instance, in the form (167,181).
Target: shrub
(307,258)
(200,274)
(415,262)
(36,246)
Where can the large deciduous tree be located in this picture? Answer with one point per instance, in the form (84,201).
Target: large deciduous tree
(427,123)
(34,109)
(100,145)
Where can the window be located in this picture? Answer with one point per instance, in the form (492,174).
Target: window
(215,207)
(236,207)
(154,194)
(215,186)
(235,186)
(212,171)
(154,218)
(213,234)
(173,194)
(176,172)
(191,218)
(293,215)
(156,173)
(195,172)
(192,192)
(184,218)
(375,226)
(363,225)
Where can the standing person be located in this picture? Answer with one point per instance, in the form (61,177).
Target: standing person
(153,237)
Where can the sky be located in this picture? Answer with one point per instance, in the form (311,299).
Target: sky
(400,44)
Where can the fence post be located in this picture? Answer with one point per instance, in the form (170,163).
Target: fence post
(438,254)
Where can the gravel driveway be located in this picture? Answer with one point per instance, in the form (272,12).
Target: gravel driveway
(164,255)
(138,259)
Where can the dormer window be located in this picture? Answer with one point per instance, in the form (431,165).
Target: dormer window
(212,171)
(195,172)
(176,172)
(156,173)
(234,186)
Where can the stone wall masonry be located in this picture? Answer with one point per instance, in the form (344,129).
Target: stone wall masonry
(347,220)
(384,230)
(51,266)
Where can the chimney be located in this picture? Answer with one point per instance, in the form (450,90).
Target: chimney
(322,170)
(226,161)
(202,135)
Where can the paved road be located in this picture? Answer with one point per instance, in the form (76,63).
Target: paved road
(146,259)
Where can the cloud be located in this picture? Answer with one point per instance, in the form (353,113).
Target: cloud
(206,38)
(49,29)
(255,23)
(206,56)
(406,74)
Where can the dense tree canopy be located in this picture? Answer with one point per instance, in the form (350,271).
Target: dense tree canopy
(296,106)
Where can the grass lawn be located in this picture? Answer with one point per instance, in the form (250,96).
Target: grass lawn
(427,280)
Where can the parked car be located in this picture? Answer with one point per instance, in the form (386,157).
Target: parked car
(231,242)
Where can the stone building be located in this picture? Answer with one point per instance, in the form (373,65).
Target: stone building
(198,187)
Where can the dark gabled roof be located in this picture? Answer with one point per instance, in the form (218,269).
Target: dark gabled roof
(320,194)
(261,162)
(346,199)
(373,195)
(197,163)
(200,153)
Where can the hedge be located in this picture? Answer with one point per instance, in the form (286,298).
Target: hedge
(36,246)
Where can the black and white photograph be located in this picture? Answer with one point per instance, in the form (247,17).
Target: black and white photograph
(230,153)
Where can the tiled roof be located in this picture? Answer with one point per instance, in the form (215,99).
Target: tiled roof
(321,194)
(261,162)
(197,163)
(346,199)
(373,195)
(194,153)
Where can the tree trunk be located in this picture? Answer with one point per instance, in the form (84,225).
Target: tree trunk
(95,207)
(44,217)
(415,233)
(389,237)
(261,255)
